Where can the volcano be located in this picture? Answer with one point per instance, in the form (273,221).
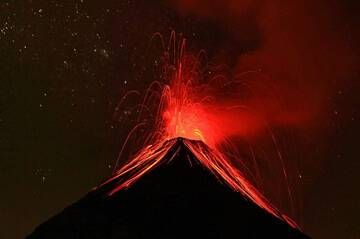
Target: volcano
(170,194)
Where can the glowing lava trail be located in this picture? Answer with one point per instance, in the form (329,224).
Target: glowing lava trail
(184,113)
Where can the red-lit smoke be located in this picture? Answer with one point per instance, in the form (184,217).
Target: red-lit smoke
(298,52)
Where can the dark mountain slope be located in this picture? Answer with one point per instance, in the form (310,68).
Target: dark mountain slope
(177,199)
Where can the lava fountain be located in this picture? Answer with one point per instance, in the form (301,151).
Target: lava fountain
(186,111)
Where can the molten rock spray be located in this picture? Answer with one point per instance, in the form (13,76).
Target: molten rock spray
(186,111)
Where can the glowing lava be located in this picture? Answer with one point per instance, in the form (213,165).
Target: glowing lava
(183,117)
(154,155)
(184,112)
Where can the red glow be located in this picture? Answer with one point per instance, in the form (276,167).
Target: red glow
(190,110)
(183,116)
(186,110)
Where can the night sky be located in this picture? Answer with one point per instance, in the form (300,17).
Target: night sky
(65,65)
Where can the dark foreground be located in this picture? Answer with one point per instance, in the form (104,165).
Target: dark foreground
(178,199)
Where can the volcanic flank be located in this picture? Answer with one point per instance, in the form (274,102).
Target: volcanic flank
(170,193)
